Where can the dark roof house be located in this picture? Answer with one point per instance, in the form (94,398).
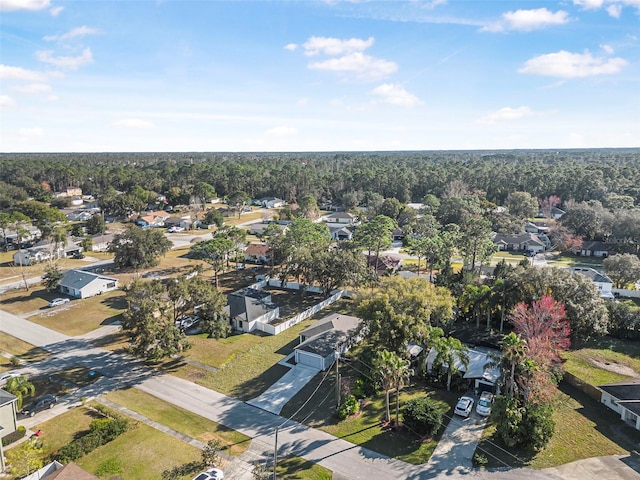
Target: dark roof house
(623,398)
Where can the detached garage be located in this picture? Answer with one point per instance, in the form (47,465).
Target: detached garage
(318,342)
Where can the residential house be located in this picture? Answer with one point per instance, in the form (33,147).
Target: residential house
(624,399)
(83,284)
(520,242)
(271,202)
(555,213)
(101,241)
(257,253)
(79,215)
(531,227)
(152,219)
(340,233)
(56,471)
(69,192)
(481,371)
(320,342)
(30,235)
(604,283)
(397,235)
(344,218)
(595,249)
(8,422)
(44,250)
(384,264)
(184,222)
(249,305)
(260,227)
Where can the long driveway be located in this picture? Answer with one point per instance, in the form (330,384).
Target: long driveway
(346,460)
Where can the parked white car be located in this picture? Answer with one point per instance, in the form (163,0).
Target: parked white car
(464,407)
(484,404)
(57,302)
(4,377)
(211,474)
(176,229)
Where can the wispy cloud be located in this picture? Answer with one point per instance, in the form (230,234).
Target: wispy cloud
(34,5)
(281,131)
(31,132)
(19,73)
(292,47)
(396,95)
(74,33)
(612,7)
(33,88)
(527,20)
(505,114)
(565,64)
(335,46)
(69,63)
(137,123)
(361,65)
(6,101)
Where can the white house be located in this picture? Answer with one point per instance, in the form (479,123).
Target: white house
(340,233)
(623,398)
(604,283)
(8,421)
(271,202)
(83,284)
(344,218)
(101,241)
(44,250)
(318,343)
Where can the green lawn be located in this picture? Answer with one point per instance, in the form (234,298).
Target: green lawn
(598,361)
(584,428)
(294,468)
(141,453)
(83,315)
(180,420)
(20,349)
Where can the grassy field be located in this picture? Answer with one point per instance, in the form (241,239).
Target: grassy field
(584,428)
(297,468)
(79,316)
(365,429)
(604,360)
(180,420)
(23,350)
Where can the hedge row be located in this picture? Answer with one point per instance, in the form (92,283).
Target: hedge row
(101,431)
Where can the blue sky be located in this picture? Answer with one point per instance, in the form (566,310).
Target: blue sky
(85,76)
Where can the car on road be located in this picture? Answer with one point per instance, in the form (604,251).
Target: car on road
(175,230)
(464,407)
(39,404)
(4,377)
(187,321)
(211,474)
(484,404)
(57,302)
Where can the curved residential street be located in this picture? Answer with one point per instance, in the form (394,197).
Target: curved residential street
(348,461)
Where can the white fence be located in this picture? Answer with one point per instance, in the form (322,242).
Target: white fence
(626,293)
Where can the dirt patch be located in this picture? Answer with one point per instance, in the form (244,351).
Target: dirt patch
(616,368)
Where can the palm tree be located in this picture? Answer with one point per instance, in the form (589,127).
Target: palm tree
(514,350)
(450,352)
(20,386)
(402,375)
(383,368)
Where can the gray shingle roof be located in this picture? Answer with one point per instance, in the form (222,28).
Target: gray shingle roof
(79,279)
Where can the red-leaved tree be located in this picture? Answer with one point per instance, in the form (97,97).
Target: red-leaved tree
(545,328)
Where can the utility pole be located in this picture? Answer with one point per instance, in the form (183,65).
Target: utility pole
(337,377)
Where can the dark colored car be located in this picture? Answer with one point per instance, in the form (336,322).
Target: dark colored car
(39,404)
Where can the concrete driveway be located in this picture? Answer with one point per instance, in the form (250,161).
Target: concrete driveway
(455,449)
(278,394)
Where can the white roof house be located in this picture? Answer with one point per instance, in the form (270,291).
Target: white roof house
(83,284)
(604,283)
(478,369)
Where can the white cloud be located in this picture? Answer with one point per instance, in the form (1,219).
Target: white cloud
(396,95)
(71,63)
(528,20)
(8,5)
(506,114)
(335,46)
(55,11)
(565,64)
(31,132)
(281,131)
(608,49)
(302,102)
(6,101)
(292,47)
(18,73)
(589,4)
(33,88)
(614,10)
(612,7)
(363,66)
(76,32)
(133,123)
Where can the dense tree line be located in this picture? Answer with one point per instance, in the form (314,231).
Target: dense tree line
(347,178)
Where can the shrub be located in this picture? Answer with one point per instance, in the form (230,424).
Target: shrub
(480,460)
(14,361)
(349,407)
(101,431)
(422,415)
(523,426)
(14,436)
(359,388)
